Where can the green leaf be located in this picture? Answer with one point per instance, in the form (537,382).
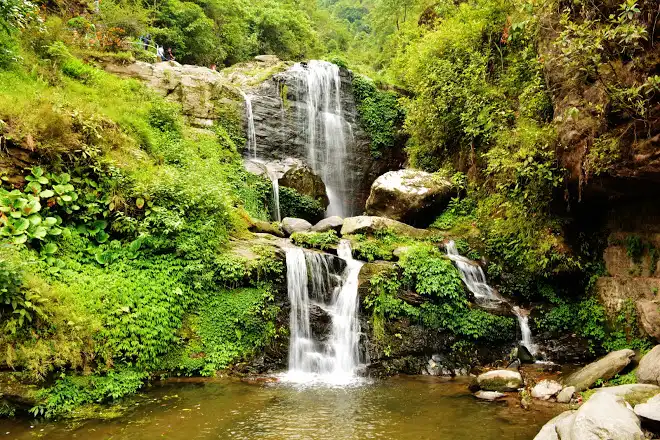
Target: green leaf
(21,224)
(49,248)
(50,221)
(46,194)
(102,237)
(35,219)
(40,232)
(37,171)
(139,203)
(20,239)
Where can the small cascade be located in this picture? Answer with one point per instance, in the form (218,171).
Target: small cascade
(525,331)
(485,296)
(474,278)
(326,130)
(334,360)
(251,132)
(276,194)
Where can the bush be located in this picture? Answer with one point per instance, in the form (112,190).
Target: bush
(316,240)
(294,204)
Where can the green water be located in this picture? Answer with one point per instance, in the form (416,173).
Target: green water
(400,408)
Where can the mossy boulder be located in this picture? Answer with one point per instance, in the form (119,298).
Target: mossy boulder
(410,196)
(306,182)
(649,367)
(500,380)
(368,225)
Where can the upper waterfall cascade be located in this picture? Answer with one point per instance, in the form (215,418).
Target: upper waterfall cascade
(485,296)
(326,130)
(310,283)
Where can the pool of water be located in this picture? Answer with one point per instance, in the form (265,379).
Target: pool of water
(399,408)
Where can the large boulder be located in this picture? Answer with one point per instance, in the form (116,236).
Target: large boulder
(549,430)
(368,225)
(334,223)
(605,416)
(546,389)
(306,182)
(266,228)
(500,380)
(633,393)
(649,317)
(410,196)
(649,412)
(291,225)
(649,367)
(604,368)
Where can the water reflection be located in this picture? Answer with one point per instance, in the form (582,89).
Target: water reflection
(400,408)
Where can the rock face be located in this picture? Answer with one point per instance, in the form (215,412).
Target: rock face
(648,313)
(291,225)
(303,180)
(546,389)
(197,88)
(410,196)
(368,225)
(604,368)
(266,228)
(500,380)
(605,416)
(331,223)
(649,367)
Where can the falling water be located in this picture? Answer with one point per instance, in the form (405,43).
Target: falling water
(309,281)
(276,194)
(525,331)
(251,132)
(326,130)
(474,278)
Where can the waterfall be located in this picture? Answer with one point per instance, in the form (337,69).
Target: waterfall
(251,132)
(525,331)
(309,281)
(326,130)
(474,278)
(276,193)
(485,296)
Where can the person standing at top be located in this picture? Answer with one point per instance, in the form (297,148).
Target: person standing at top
(170,56)
(160,53)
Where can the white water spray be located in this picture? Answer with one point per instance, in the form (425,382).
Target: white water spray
(474,278)
(309,281)
(525,331)
(485,296)
(326,130)
(251,132)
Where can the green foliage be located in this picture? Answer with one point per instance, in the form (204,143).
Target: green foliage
(70,392)
(458,211)
(380,114)
(316,240)
(432,274)
(18,304)
(294,204)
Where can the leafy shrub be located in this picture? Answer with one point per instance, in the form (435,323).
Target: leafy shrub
(380,114)
(316,240)
(294,204)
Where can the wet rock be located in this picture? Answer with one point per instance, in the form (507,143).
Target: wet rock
(368,271)
(291,225)
(267,58)
(489,395)
(649,367)
(605,416)
(410,196)
(524,355)
(306,182)
(565,349)
(500,380)
(632,393)
(327,224)
(266,228)
(368,225)
(649,317)
(649,413)
(566,395)
(549,430)
(604,368)
(320,322)
(546,389)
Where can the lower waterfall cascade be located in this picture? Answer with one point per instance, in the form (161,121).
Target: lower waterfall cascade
(310,284)
(485,296)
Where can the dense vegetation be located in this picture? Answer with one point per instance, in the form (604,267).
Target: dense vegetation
(120,220)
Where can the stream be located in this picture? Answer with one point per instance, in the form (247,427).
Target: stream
(399,408)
